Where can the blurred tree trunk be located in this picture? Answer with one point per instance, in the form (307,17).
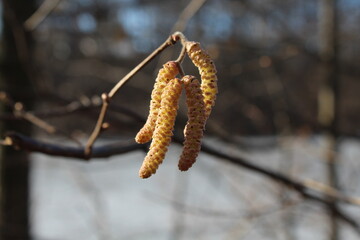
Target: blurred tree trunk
(328,98)
(15,80)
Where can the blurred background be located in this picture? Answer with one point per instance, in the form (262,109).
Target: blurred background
(288,102)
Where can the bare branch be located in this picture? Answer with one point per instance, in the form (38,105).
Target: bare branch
(20,141)
(171,40)
(309,189)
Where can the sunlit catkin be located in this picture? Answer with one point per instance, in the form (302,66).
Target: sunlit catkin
(163,130)
(195,125)
(168,72)
(207,70)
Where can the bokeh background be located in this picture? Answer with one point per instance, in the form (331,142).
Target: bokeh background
(288,102)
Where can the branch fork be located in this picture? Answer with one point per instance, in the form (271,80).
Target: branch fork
(106,97)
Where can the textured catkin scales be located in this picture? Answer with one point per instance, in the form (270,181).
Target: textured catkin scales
(207,70)
(168,72)
(195,125)
(163,130)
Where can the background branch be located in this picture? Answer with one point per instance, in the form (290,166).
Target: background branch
(20,141)
(189,11)
(308,189)
(40,14)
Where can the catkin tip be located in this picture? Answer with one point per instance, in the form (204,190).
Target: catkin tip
(144,173)
(183,167)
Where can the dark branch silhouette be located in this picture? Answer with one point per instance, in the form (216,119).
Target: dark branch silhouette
(308,191)
(20,141)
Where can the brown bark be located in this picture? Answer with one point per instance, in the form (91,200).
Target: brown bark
(15,80)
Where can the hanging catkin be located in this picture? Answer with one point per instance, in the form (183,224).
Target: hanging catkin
(195,125)
(163,130)
(207,71)
(168,72)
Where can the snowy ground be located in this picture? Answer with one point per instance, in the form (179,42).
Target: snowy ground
(74,200)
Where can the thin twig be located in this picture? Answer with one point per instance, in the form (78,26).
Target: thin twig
(189,11)
(184,17)
(19,112)
(331,192)
(40,14)
(180,36)
(98,126)
(182,54)
(171,40)
(37,122)
(235,213)
(181,70)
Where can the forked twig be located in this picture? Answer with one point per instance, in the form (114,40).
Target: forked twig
(19,112)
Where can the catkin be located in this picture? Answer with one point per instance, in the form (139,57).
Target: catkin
(168,72)
(207,70)
(195,125)
(163,130)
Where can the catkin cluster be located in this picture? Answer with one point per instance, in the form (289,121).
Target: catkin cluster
(200,98)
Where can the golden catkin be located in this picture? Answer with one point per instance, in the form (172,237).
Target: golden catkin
(168,72)
(207,70)
(163,130)
(195,125)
